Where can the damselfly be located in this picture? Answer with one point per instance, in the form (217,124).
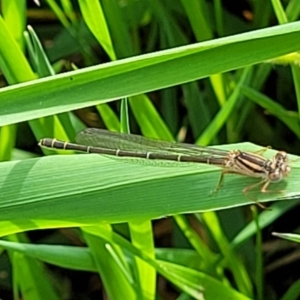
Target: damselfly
(250,164)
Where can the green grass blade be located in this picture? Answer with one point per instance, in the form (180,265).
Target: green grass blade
(138,75)
(68,190)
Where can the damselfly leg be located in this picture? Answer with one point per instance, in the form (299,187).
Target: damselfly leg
(245,190)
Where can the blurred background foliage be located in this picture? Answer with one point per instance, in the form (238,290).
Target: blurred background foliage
(265,112)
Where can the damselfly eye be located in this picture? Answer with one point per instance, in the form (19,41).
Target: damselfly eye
(275,176)
(286,170)
(281,155)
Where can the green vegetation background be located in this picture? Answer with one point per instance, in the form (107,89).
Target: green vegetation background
(197,71)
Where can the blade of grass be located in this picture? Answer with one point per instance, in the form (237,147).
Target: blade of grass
(137,75)
(61,190)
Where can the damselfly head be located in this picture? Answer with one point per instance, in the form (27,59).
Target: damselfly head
(280,167)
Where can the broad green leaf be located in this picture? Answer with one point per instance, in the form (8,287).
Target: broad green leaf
(77,190)
(144,73)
